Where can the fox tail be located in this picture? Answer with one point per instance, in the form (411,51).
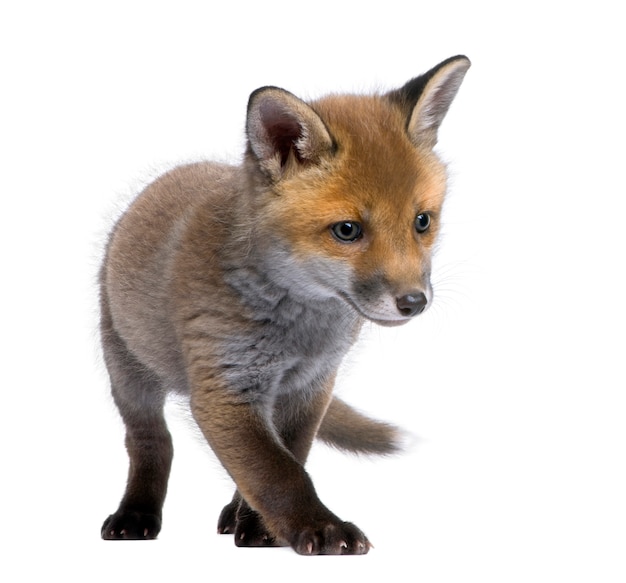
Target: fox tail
(345,428)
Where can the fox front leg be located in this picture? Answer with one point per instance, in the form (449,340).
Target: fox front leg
(270,479)
(297,422)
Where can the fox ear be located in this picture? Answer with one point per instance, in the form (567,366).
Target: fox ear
(284,131)
(426,99)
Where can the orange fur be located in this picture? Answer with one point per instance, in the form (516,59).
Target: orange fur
(244,287)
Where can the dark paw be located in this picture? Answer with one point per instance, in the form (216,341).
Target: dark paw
(251,532)
(247,525)
(333,538)
(131,526)
(227,522)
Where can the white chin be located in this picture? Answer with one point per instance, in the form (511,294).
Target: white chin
(390,323)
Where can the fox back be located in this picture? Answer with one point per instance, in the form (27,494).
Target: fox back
(244,287)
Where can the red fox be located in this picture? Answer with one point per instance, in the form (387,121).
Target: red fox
(243,287)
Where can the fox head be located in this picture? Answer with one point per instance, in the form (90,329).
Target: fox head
(350,191)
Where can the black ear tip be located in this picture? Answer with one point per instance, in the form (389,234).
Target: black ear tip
(458,59)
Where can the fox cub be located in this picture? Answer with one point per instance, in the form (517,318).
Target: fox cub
(243,287)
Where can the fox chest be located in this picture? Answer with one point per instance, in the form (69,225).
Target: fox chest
(291,354)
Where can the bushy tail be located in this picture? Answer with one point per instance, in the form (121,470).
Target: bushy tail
(347,429)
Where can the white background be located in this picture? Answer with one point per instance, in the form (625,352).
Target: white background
(513,383)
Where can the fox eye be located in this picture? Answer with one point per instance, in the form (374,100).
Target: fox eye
(347,231)
(422,222)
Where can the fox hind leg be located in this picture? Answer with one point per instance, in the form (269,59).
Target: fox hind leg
(140,399)
(150,452)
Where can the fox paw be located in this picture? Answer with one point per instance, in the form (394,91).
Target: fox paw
(227,522)
(246,524)
(127,525)
(251,532)
(341,538)
(322,536)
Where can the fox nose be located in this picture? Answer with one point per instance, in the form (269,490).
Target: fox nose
(411,304)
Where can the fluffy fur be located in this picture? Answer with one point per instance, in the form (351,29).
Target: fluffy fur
(244,287)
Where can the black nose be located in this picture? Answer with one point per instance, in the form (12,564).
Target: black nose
(411,304)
